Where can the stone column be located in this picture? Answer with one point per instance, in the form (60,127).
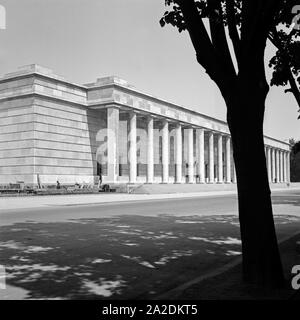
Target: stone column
(201,164)
(285,167)
(273,164)
(277,166)
(191,154)
(281,166)
(132,147)
(112,143)
(178,153)
(269,165)
(211,178)
(165,151)
(150,154)
(228,160)
(288,168)
(234,174)
(220,158)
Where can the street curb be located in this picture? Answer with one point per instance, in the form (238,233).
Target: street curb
(175,291)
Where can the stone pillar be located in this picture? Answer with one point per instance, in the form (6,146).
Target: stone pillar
(165,152)
(150,152)
(178,154)
(273,165)
(285,167)
(228,160)
(112,143)
(220,158)
(288,168)
(277,166)
(211,178)
(132,147)
(234,174)
(281,166)
(201,164)
(191,155)
(269,165)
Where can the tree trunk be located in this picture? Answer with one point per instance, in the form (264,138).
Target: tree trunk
(261,259)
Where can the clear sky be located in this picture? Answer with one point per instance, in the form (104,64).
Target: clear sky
(83,40)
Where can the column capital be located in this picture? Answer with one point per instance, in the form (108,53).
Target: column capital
(150,117)
(108,106)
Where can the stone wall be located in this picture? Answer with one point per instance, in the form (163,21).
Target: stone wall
(16,140)
(66,141)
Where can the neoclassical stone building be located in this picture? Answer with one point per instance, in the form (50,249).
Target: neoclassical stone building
(52,129)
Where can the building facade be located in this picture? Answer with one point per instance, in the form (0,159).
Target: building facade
(52,129)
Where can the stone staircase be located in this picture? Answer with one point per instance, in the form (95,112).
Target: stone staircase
(181,188)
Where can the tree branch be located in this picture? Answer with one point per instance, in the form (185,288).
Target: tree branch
(218,36)
(232,28)
(206,53)
(257,20)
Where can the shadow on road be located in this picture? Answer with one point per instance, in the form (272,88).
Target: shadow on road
(123,257)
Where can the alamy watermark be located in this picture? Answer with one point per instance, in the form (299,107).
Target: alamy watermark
(2,17)
(296,278)
(2,278)
(296,19)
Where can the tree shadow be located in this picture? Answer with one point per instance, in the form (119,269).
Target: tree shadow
(120,257)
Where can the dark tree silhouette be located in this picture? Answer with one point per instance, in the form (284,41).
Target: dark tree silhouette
(295,160)
(286,62)
(248,23)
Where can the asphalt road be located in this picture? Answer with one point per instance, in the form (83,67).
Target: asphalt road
(124,250)
(284,202)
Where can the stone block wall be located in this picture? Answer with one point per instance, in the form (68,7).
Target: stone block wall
(16,140)
(66,139)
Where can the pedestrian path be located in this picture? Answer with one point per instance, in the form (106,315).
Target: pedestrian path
(10,203)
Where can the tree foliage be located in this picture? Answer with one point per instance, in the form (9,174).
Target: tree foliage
(229,13)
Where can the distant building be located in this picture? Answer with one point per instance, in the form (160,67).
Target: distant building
(54,130)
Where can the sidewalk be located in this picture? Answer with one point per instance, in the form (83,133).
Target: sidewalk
(10,203)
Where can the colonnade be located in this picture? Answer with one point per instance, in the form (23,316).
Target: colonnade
(222,171)
(278,164)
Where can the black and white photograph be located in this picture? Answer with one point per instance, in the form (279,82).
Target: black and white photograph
(149,153)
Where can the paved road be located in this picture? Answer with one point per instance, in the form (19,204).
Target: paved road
(135,249)
(284,202)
